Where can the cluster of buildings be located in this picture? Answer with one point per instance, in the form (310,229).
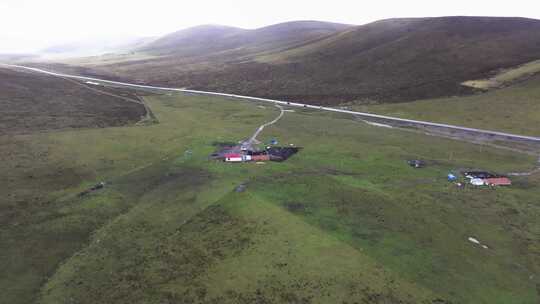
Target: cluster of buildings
(241,153)
(238,157)
(481,178)
(269,154)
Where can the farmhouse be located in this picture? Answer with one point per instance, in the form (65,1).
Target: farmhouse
(237,155)
(481,178)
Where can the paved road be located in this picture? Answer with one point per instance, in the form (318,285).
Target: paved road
(410,122)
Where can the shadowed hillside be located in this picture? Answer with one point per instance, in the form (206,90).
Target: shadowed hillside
(405,59)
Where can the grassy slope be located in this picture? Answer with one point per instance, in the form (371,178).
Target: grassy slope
(506,76)
(189,42)
(34,102)
(40,226)
(513,109)
(187,54)
(346,220)
(398,60)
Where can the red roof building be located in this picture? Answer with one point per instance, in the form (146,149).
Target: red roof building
(233,155)
(261,157)
(498,181)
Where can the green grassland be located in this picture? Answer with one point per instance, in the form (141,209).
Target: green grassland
(344,221)
(506,76)
(514,109)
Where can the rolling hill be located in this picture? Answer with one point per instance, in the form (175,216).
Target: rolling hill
(215,40)
(393,60)
(198,40)
(32,102)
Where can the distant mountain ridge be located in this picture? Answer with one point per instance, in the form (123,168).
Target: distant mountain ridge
(191,39)
(97,47)
(207,39)
(391,60)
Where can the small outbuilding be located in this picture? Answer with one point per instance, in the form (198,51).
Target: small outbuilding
(498,181)
(260,157)
(233,157)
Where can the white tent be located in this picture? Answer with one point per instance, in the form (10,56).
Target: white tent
(477,182)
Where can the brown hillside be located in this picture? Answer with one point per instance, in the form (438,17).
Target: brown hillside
(37,102)
(391,60)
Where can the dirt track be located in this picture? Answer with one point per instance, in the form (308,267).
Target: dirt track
(249,143)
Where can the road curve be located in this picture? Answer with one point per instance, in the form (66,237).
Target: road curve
(411,122)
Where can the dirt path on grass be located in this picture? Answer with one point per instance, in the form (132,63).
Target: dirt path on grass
(249,143)
(147,117)
(527,173)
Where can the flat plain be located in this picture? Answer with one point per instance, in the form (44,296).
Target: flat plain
(346,220)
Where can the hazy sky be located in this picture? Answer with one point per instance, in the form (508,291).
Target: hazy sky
(29,25)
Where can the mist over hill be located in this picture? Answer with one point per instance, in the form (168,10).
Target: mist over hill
(207,40)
